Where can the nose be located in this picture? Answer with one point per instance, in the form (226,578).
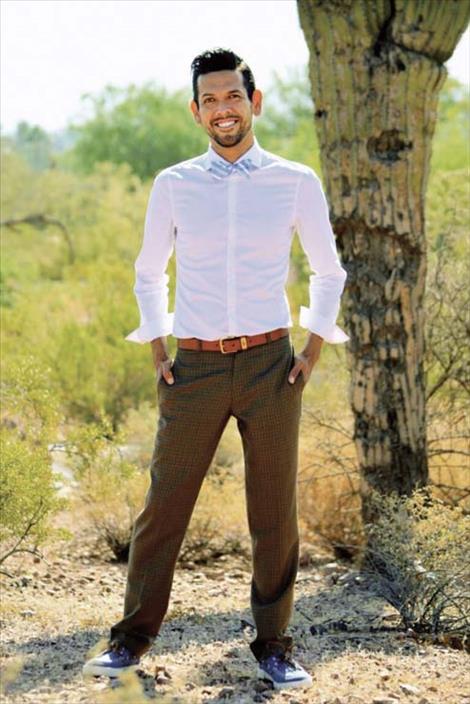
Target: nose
(222,108)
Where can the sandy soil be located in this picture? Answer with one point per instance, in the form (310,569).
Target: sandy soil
(54,614)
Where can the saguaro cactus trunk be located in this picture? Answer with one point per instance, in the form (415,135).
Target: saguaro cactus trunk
(376,68)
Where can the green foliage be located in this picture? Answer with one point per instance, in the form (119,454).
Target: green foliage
(145,127)
(26,494)
(447,214)
(286,126)
(76,313)
(28,497)
(96,367)
(34,144)
(418,555)
(29,403)
(18,182)
(447,302)
(451,141)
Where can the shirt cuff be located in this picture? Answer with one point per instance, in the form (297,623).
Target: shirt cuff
(330,333)
(149,331)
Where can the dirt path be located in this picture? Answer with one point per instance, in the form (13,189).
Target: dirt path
(53,615)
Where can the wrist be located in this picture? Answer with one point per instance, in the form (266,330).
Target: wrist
(159,348)
(313,345)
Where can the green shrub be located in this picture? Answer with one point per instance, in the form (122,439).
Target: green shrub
(419,559)
(28,496)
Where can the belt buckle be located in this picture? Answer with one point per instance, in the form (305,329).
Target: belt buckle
(242,339)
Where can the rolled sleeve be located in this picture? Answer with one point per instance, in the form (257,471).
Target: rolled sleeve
(151,281)
(328,277)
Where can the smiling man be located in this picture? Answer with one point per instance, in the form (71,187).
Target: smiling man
(230,214)
(232,131)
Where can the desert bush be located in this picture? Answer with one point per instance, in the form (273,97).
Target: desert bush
(218,524)
(28,496)
(418,557)
(110,487)
(331,512)
(329,498)
(447,355)
(329,477)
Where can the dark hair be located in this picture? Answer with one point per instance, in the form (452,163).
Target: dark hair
(221,60)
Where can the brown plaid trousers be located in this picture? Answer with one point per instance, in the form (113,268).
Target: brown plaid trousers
(252,385)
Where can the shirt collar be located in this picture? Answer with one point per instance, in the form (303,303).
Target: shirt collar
(254,153)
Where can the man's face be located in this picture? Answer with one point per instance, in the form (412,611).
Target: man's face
(225,111)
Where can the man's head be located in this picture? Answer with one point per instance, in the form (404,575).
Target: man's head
(224,96)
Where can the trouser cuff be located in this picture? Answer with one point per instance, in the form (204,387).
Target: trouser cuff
(262,648)
(135,645)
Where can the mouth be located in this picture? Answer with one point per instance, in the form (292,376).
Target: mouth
(227,124)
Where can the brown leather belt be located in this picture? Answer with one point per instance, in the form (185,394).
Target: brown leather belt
(227,345)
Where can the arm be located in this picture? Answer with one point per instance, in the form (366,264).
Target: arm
(151,281)
(327,278)
(317,239)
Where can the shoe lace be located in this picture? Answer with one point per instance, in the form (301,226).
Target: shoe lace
(284,658)
(119,649)
(290,663)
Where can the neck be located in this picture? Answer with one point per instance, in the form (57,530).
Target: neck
(233,153)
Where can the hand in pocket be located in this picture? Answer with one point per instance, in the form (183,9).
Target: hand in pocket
(163,369)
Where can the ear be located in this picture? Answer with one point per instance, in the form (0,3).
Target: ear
(257,101)
(195,110)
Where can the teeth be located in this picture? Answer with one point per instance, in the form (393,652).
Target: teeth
(225,124)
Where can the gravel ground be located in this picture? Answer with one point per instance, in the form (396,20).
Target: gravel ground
(54,614)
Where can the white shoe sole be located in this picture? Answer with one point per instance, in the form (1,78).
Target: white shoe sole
(284,685)
(111,672)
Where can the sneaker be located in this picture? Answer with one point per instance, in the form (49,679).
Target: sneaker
(111,663)
(283,672)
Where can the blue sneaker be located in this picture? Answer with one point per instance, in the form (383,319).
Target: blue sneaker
(111,663)
(283,672)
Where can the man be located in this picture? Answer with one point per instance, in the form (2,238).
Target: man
(230,214)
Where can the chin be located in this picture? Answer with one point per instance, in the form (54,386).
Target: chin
(228,141)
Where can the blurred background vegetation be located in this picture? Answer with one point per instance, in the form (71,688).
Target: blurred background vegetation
(79,402)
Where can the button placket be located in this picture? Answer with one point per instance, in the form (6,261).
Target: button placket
(231,254)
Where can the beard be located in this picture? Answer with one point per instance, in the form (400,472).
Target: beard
(230,140)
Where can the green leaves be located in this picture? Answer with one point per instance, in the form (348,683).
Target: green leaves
(145,127)
(28,496)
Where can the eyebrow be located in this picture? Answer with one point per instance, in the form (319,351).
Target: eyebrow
(235,90)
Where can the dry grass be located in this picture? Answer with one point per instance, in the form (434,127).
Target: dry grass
(58,616)
(202,654)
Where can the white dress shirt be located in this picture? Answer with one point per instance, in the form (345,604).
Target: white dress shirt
(232,238)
